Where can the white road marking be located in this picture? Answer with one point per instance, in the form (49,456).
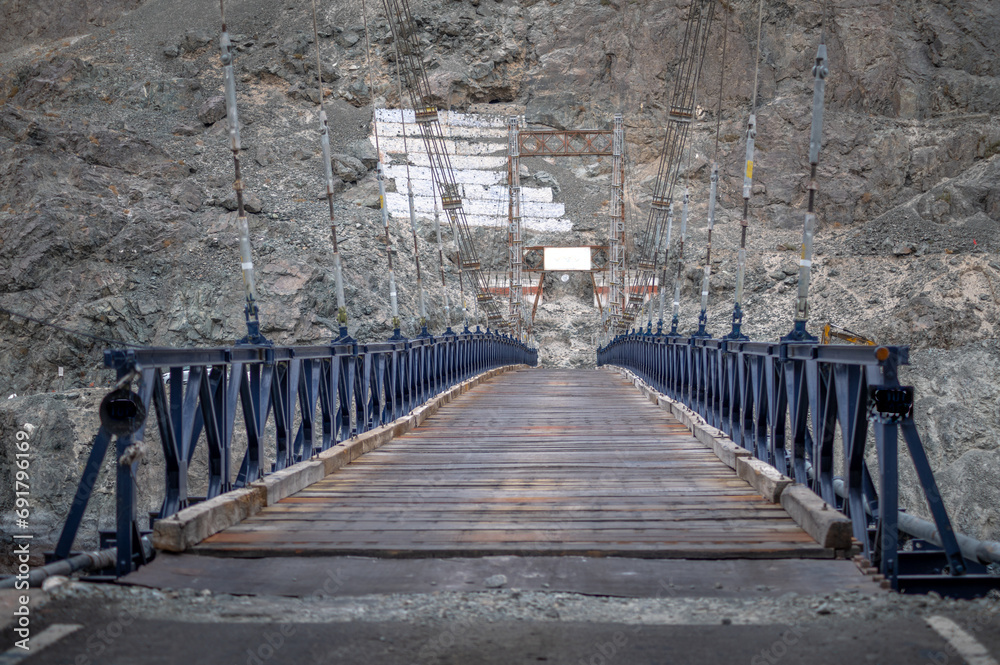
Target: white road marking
(50,635)
(966,645)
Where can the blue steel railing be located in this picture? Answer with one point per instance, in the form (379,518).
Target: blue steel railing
(783,403)
(195,393)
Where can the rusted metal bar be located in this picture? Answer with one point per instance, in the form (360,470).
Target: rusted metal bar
(569,143)
(534,308)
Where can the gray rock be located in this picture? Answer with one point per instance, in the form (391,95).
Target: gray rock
(902,249)
(297,45)
(359,90)
(545,179)
(186,130)
(348,38)
(251,202)
(196,39)
(363,194)
(495,581)
(212,110)
(347,167)
(364,151)
(190,70)
(264,155)
(481,70)
(330,72)
(188,194)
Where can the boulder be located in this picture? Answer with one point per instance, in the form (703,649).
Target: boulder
(212,110)
(348,168)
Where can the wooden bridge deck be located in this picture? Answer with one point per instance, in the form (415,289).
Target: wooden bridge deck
(532,462)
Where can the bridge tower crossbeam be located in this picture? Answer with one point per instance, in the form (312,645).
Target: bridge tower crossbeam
(578,143)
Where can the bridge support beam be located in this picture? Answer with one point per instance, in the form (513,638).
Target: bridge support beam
(515,241)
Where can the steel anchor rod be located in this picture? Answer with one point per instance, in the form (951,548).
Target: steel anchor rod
(250,310)
(324,133)
(820,72)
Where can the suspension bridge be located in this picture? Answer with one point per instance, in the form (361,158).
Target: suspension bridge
(716,453)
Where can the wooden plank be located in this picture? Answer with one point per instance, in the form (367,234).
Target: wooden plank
(537,461)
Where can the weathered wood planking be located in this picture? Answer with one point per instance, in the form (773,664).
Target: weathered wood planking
(533,462)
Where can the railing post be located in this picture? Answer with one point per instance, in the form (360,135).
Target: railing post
(128,536)
(327,390)
(888,505)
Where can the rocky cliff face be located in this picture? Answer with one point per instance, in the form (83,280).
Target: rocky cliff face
(116,199)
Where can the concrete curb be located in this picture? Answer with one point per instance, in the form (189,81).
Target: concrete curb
(765,478)
(196,523)
(829,527)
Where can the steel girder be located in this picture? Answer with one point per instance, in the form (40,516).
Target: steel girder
(337,391)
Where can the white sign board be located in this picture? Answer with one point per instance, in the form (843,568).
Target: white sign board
(567,258)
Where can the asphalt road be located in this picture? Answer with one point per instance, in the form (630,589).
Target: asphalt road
(123,630)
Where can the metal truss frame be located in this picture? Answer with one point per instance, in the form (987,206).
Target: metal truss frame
(783,402)
(195,394)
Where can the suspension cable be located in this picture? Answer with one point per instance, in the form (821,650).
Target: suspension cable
(680,115)
(440,249)
(421,303)
(675,318)
(684,165)
(455,239)
(741,257)
(324,131)
(713,193)
(515,229)
(371,75)
(411,66)
(452,224)
(756,71)
(494,253)
(380,175)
